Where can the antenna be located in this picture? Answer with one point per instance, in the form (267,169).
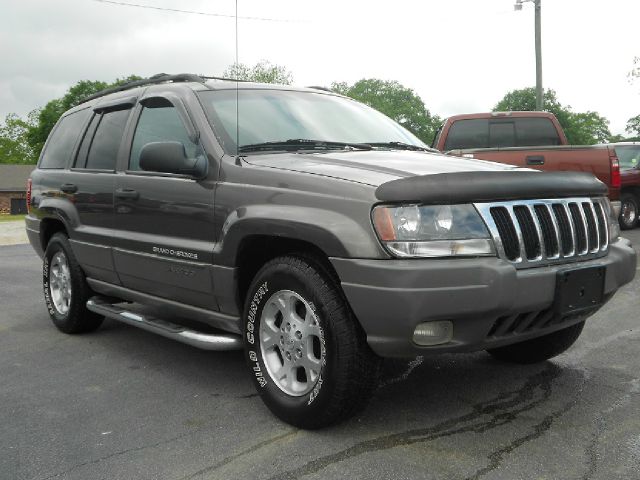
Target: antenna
(237,90)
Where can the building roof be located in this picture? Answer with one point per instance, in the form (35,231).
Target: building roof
(13,178)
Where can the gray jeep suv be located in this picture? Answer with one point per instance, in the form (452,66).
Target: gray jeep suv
(313,232)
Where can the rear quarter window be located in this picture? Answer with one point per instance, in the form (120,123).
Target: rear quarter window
(60,145)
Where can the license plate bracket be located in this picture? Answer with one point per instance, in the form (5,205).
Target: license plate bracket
(579,289)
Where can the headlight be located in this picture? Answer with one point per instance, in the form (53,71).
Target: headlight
(432,231)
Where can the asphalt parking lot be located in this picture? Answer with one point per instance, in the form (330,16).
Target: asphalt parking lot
(121,403)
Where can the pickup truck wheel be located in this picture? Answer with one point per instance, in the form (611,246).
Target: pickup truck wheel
(541,348)
(629,211)
(65,289)
(306,353)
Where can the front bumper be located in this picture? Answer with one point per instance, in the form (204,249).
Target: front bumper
(391,297)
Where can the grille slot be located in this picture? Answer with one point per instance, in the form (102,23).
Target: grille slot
(579,225)
(530,233)
(549,233)
(507,232)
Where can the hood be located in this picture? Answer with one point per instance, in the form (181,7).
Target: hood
(374,167)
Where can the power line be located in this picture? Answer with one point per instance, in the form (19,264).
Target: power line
(191,12)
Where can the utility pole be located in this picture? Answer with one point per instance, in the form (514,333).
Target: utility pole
(538,41)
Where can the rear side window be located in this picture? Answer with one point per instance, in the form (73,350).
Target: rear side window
(63,139)
(500,133)
(103,145)
(468,134)
(160,124)
(535,132)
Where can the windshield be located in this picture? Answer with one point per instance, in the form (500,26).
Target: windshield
(277,116)
(628,156)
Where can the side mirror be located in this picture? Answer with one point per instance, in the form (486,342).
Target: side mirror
(170,157)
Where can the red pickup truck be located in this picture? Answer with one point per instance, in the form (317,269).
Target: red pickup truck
(527,139)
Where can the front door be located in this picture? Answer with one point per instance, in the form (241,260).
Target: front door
(164,222)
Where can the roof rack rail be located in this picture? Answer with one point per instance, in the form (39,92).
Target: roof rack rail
(324,89)
(224,79)
(158,78)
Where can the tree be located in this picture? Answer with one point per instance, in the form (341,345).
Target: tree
(49,115)
(14,145)
(581,128)
(262,72)
(633,126)
(396,101)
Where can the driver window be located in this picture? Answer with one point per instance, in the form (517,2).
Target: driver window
(160,124)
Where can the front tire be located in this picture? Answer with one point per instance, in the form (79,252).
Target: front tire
(539,349)
(630,206)
(65,289)
(306,352)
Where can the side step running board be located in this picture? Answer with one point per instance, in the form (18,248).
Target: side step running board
(205,341)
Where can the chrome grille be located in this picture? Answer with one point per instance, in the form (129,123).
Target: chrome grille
(530,233)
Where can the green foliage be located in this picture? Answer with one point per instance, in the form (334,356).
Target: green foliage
(633,125)
(14,144)
(581,128)
(261,72)
(52,111)
(396,102)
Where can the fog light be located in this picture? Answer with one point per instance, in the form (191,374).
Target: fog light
(433,333)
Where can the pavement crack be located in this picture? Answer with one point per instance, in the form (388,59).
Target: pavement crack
(247,451)
(502,409)
(116,454)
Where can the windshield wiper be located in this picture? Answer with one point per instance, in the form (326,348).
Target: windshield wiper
(294,144)
(401,146)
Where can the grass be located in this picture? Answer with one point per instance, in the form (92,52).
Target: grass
(11,218)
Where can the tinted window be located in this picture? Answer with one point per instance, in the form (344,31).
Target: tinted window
(514,132)
(502,134)
(535,132)
(468,134)
(61,142)
(103,152)
(85,143)
(160,124)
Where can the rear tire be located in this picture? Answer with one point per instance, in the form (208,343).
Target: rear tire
(539,349)
(630,206)
(306,352)
(65,289)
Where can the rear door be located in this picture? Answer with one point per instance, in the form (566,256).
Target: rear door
(91,183)
(165,222)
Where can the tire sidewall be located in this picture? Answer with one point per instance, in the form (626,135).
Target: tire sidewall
(59,243)
(271,279)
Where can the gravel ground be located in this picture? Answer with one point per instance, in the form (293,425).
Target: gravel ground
(122,403)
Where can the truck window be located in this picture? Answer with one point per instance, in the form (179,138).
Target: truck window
(629,156)
(502,134)
(160,124)
(103,151)
(532,132)
(468,134)
(60,145)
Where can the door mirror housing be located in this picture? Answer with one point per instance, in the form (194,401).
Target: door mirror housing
(170,157)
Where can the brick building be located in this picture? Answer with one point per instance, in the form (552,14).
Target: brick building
(13,184)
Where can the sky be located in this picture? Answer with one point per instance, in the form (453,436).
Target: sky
(459,56)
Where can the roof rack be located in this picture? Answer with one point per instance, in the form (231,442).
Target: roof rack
(158,78)
(324,89)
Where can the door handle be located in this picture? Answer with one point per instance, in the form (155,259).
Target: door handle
(69,188)
(127,193)
(535,160)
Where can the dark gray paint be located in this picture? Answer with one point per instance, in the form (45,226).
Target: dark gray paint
(324,199)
